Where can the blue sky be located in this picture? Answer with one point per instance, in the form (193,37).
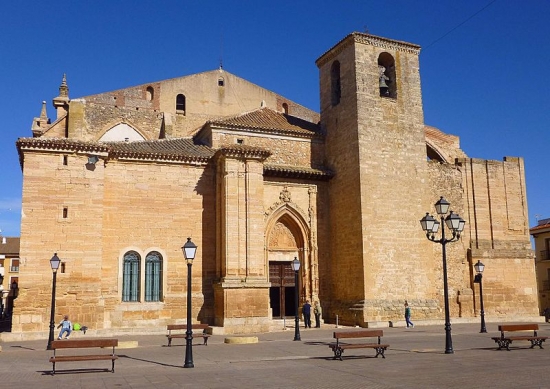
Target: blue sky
(484,63)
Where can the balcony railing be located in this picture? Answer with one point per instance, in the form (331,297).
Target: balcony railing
(544,255)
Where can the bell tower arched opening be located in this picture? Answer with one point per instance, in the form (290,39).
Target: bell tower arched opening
(386,76)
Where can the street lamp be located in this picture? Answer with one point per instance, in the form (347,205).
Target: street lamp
(479,279)
(431,226)
(189,249)
(296,266)
(54,263)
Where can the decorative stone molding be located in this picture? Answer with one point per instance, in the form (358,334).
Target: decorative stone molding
(288,203)
(59,144)
(281,238)
(297,172)
(372,40)
(285,195)
(175,151)
(243,151)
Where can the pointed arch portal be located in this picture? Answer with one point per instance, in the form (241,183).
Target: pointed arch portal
(285,241)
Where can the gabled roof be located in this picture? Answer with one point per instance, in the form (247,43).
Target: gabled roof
(268,120)
(11,247)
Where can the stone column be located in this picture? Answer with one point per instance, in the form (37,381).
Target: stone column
(242,294)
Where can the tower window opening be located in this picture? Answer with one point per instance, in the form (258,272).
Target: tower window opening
(221,81)
(180,104)
(386,76)
(335,85)
(149,93)
(285,108)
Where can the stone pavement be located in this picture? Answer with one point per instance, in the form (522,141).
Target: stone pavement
(415,359)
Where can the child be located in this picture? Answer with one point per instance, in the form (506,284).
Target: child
(66,326)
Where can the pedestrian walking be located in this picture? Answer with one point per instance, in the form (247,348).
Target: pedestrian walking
(306,311)
(408,315)
(317,311)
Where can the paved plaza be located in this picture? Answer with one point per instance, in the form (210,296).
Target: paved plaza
(415,359)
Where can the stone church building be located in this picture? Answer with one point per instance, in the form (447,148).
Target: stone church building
(116,182)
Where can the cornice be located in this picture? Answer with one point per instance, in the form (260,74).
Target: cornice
(366,39)
(59,144)
(110,151)
(243,152)
(264,130)
(297,172)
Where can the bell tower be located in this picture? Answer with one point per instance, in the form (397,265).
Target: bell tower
(371,113)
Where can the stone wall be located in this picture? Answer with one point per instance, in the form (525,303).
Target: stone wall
(92,115)
(113,209)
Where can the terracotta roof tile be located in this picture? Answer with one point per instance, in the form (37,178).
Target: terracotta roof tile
(182,149)
(266,119)
(165,148)
(543,225)
(11,246)
(297,172)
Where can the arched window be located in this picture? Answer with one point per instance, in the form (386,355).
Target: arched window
(180,104)
(386,76)
(285,108)
(153,276)
(149,93)
(335,86)
(130,276)
(221,81)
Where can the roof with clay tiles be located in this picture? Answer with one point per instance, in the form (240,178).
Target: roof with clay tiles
(181,149)
(165,147)
(11,247)
(542,226)
(266,119)
(298,172)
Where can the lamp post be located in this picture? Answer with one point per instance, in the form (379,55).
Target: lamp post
(54,263)
(479,279)
(189,249)
(431,226)
(296,266)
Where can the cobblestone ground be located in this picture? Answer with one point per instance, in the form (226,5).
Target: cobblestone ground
(415,359)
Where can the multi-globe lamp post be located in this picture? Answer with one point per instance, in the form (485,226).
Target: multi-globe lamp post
(296,267)
(431,226)
(189,250)
(54,264)
(479,267)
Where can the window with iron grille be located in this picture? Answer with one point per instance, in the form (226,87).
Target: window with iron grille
(130,277)
(153,276)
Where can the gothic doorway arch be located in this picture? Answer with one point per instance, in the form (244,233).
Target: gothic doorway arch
(286,240)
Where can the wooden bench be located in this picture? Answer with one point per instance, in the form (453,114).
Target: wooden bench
(504,340)
(81,344)
(179,327)
(339,347)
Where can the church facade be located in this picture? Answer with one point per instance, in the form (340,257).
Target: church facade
(117,182)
